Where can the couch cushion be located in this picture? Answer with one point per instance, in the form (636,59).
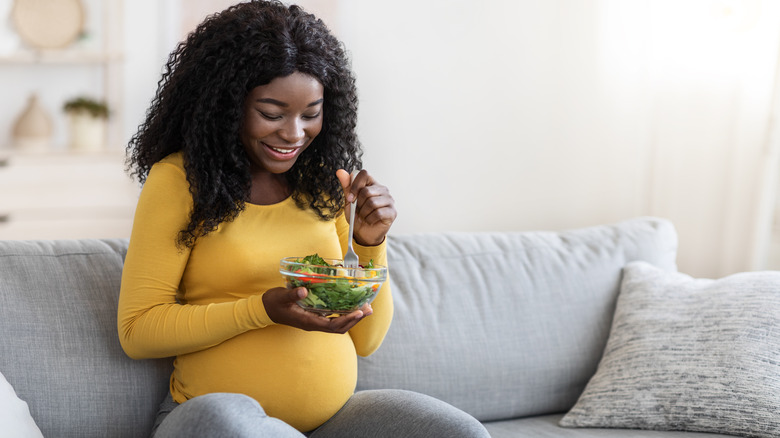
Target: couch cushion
(547,427)
(505,325)
(59,346)
(689,354)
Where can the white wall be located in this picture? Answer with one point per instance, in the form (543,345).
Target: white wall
(549,114)
(149,39)
(496,117)
(517,115)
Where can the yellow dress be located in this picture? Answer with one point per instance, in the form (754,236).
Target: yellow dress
(204,304)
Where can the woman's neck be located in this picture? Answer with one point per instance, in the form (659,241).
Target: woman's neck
(268,188)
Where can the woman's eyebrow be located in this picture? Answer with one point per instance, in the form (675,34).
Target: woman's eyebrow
(283,104)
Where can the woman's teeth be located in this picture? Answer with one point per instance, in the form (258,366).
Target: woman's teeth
(282,151)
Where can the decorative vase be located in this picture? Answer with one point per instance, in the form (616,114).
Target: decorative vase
(33,129)
(87,132)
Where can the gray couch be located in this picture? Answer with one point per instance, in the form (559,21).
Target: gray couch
(507,326)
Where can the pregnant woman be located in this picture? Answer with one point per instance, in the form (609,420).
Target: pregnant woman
(244,158)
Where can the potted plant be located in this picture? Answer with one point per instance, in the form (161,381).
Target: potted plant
(87,119)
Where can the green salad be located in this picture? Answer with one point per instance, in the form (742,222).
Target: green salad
(333,291)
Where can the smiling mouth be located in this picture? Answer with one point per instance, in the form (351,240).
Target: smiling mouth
(283,151)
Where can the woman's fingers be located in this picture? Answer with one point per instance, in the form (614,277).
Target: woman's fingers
(375,207)
(282,307)
(375,204)
(345,180)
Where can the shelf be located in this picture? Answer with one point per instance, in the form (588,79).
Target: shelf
(10,156)
(62,57)
(60,192)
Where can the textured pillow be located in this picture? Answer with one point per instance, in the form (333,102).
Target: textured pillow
(15,419)
(689,354)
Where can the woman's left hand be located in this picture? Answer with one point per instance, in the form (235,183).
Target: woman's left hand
(375,208)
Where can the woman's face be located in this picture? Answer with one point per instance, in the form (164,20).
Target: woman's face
(280,121)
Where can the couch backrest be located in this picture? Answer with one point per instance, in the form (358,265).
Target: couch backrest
(506,325)
(501,325)
(59,347)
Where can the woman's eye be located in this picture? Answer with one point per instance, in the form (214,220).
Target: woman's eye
(275,117)
(269,116)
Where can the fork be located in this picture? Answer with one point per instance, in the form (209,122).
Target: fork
(350,258)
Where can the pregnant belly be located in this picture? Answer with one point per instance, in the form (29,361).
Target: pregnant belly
(300,377)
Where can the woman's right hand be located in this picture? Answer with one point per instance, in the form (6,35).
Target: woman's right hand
(282,307)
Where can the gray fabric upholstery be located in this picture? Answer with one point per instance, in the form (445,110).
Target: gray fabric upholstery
(689,354)
(500,324)
(546,426)
(506,325)
(58,340)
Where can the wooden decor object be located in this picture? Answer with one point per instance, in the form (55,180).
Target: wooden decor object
(33,129)
(48,24)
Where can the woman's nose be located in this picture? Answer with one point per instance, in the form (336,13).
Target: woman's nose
(292,131)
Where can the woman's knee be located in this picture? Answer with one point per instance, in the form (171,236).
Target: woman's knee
(393,412)
(211,412)
(220,415)
(436,416)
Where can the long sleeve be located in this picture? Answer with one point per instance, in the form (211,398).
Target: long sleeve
(151,320)
(369,333)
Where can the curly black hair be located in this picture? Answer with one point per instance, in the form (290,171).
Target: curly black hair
(198,109)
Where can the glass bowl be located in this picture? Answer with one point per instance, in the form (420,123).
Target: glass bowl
(331,289)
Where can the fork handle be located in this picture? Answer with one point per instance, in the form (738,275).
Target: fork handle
(350,250)
(351,225)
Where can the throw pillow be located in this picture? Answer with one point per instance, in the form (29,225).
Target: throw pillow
(15,419)
(689,354)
